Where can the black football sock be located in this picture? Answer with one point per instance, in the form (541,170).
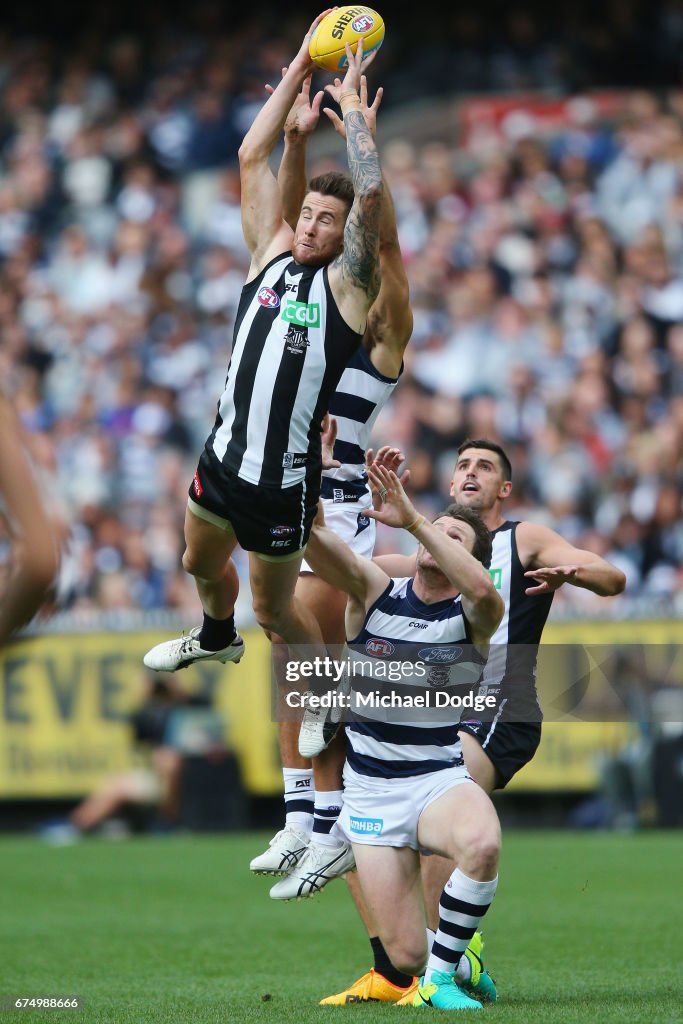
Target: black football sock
(216,633)
(384,966)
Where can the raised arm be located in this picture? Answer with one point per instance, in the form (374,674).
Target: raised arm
(265,231)
(390,319)
(354,275)
(551,561)
(300,124)
(334,561)
(481,602)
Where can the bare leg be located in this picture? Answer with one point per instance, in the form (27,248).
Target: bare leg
(101,805)
(437,870)
(327,604)
(207,558)
(463,826)
(390,883)
(278,610)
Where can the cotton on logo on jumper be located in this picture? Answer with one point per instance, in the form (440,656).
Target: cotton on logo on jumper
(366,826)
(267,297)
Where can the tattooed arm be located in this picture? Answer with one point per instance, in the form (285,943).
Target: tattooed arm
(390,320)
(354,275)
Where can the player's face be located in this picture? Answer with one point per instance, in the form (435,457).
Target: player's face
(454,528)
(478,480)
(319,232)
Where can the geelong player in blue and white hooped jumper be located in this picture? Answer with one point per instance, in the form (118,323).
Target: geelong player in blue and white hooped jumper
(301,317)
(410,781)
(312,792)
(529,562)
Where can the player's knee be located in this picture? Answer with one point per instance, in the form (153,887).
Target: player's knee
(196,563)
(268,613)
(483,853)
(406,956)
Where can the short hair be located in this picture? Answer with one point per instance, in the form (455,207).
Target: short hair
(483,545)
(335,184)
(491,446)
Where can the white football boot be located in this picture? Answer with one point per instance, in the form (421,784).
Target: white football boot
(185,650)
(319,865)
(284,852)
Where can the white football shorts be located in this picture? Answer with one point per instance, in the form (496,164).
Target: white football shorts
(350,522)
(385,812)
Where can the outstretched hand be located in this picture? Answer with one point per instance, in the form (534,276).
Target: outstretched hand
(389,458)
(550,579)
(391,504)
(369,110)
(357,62)
(303,57)
(304,113)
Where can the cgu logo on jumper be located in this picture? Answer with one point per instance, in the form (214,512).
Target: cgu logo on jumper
(302,314)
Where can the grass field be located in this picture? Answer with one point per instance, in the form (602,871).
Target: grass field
(585,927)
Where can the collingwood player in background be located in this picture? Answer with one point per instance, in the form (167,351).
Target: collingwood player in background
(301,317)
(529,562)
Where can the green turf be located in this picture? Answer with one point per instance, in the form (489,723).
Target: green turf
(585,928)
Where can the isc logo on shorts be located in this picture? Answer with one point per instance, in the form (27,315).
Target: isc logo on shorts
(366,826)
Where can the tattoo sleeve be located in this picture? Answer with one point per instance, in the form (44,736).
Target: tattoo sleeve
(360,258)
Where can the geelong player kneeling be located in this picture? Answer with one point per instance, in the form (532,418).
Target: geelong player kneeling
(405,786)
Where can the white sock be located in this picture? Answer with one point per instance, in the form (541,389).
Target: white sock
(463,971)
(431,935)
(299,797)
(328,807)
(463,903)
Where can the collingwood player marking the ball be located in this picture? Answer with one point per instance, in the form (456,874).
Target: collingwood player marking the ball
(312,790)
(301,316)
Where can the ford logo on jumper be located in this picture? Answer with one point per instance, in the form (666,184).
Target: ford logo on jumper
(440,655)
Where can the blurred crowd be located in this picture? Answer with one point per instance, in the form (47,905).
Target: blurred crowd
(546,272)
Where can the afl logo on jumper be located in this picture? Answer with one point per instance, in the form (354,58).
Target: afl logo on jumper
(379,648)
(267,297)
